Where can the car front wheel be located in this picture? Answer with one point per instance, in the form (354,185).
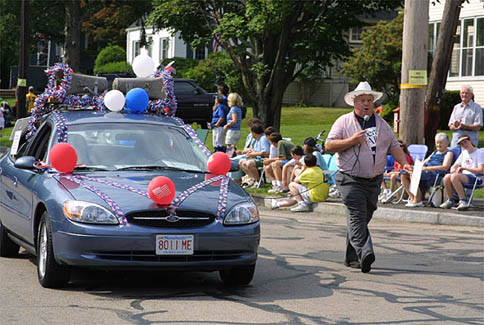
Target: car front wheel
(237,276)
(51,274)
(7,247)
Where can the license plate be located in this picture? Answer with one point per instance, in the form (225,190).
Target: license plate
(174,244)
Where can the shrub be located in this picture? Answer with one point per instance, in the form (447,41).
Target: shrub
(111,53)
(450,98)
(216,69)
(114,67)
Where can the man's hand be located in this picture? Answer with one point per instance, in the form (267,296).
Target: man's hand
(457,125)
(358,137)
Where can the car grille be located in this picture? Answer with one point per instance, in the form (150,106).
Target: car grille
(150,256)
(161,219)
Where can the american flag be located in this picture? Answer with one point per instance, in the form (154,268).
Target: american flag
(162,191)
(215,44)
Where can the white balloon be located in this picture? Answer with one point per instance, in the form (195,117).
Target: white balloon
(114,100)
(143,66)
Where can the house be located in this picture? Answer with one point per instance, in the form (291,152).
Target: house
(161,45)
(467,63)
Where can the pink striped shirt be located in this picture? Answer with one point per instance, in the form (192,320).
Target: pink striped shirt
(347,125)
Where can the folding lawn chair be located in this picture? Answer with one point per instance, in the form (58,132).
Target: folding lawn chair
(438,186)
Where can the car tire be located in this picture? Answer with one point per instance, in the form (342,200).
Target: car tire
(50,273)
(237,276)
(7,247)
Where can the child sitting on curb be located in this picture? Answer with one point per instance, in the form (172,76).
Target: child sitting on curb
(308,188)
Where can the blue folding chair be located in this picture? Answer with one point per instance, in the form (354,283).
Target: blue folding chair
(332,169)
(440,176)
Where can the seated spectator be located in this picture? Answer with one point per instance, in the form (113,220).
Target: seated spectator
(307,188)
(297,160)
(254,158)
(308,149)
(273,166)
(464,170)
(394,174)
(219,117)
(439,160)
(273,151)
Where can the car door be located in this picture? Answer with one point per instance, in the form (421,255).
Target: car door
(18,186)
(192,102)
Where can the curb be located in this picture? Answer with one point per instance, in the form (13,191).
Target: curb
(403,215)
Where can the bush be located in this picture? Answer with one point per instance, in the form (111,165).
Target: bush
(181,65)
(387,113)
(109,54)
(449,100)
(216,69)
(114,67)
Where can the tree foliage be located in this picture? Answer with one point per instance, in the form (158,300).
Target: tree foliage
(379,59)
(270,41)
(111,59)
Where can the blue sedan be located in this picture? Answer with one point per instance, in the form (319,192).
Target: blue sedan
(100,216)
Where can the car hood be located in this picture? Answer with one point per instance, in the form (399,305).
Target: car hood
(105,183)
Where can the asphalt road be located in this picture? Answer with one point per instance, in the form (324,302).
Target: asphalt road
(423,274)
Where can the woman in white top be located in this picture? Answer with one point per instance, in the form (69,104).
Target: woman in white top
(467,166)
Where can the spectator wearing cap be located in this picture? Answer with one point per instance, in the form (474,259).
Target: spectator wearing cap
(465,169)
(219,117)
(466,117)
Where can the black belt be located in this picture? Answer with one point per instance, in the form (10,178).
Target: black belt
(364,179)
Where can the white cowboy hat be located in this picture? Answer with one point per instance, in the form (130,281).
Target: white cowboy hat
(363,88)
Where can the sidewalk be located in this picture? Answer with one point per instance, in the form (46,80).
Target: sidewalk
(398,212)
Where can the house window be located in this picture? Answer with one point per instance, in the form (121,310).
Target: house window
(355,34)
(164,47)
(467,58)
(149,45)
(136,48)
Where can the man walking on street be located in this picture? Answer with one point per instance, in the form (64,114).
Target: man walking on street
(362,140)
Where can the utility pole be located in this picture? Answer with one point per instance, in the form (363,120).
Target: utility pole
(23,60)
(440,69)
(414,57)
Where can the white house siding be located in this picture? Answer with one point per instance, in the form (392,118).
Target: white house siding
(470,9)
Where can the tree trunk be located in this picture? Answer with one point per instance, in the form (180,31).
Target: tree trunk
(440,69)
(72,33)
(414,57)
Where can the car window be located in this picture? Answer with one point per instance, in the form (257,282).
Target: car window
(118,145)
(40,144)
(184,88)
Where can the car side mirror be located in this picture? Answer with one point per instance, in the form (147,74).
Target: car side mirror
(25,162)
(234,166)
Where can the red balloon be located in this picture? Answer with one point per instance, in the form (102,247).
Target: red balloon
(63,157)
(219,163)
(161,190)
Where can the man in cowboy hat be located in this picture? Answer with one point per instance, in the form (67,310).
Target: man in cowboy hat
(362,140)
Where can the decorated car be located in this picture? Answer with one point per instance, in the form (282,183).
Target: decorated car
(106,182)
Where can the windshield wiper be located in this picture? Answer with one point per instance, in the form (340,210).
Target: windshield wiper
(90,168)
(160,168)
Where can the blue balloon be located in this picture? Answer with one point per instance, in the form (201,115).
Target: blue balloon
(137,100)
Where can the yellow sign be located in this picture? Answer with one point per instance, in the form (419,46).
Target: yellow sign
(417,77)
(409,86)
(22,82)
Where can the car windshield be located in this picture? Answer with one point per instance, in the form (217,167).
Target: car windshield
(115,146)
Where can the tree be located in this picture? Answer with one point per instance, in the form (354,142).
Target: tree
(72,33)
(379,59)
(440,69)
(270,41)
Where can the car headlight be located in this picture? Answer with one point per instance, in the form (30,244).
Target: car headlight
(242,214)
(87,212)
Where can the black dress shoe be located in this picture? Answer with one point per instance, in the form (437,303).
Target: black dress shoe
(366,262)
(352,264)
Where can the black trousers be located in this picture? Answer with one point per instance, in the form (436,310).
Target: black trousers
(360,196)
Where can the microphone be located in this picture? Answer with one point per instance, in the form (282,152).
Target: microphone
(365,119)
